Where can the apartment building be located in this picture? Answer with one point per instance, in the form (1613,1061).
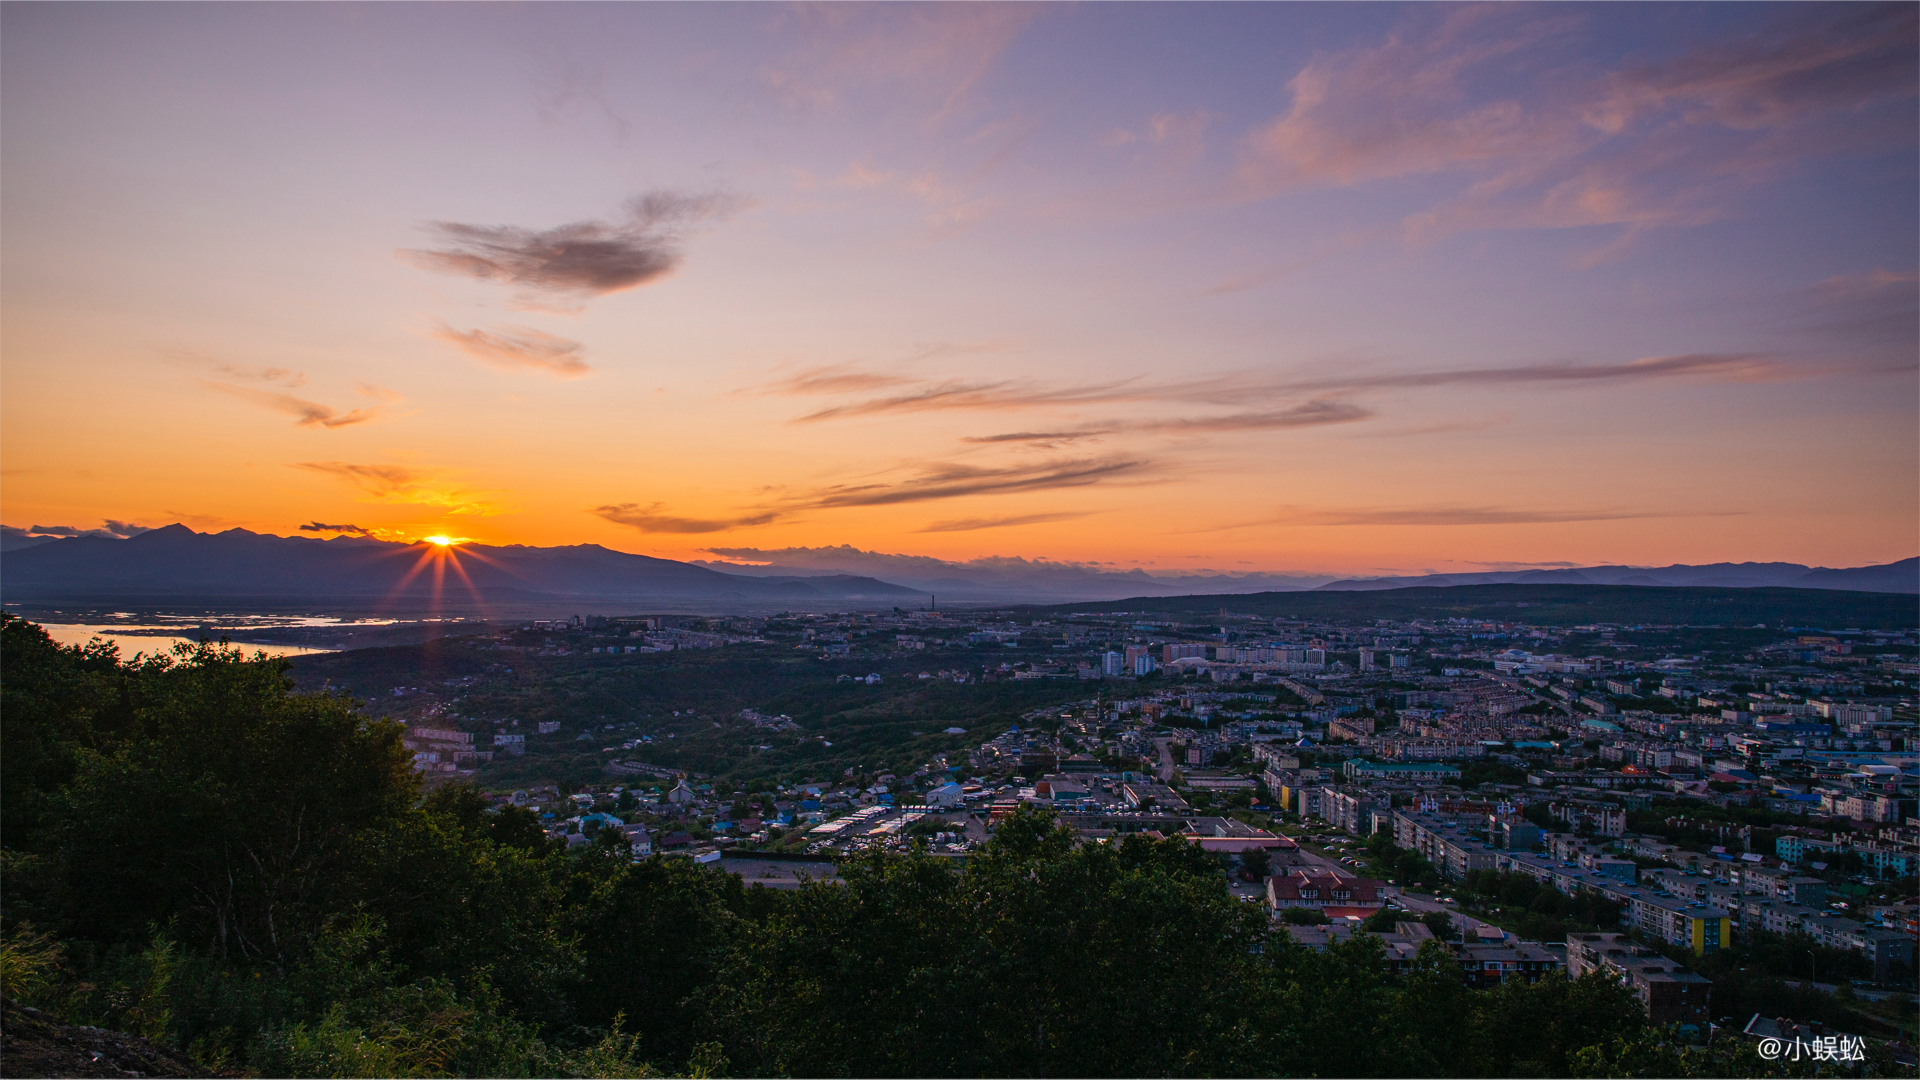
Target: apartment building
(1357,771)
(1442,840)
(1670,993)
(1677,920)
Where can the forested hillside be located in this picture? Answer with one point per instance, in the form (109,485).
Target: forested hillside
(197,854)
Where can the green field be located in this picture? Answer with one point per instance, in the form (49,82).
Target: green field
(897,725)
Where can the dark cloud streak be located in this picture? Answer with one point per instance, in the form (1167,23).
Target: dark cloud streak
(518,348)
(581,260)
(956,481)
(976,524)
(1242,388)
(109,530)
(651,519)
(309,413)
(948,481)
(1310,414)
(1475,515)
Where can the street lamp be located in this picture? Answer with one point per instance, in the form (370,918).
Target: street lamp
(1814,962)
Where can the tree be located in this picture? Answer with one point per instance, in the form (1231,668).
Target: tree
(1257,861)
(1383,921)
(238,805)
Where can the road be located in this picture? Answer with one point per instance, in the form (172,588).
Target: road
(1423,904)
(1833,988)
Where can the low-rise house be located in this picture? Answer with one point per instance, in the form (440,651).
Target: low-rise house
(1483,963)
(1227,835)
(1487,963)
(1400,946)
(1328,892)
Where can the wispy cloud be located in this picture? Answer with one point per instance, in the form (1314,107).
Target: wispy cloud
(1507,565)
(1001,394)
(928,56)
(1043,438)
(1713,367)
(1659,145)
(344,530)
(405,485)
(109,529)
(952,481)
(1309,414)
(278,376)
(1243,387)
(852,560)
(272,375)
(576,262)
(835,379)
(933,484)
(1400,109)
(308,413)
(975,524)
(1877,311)
(1445,427)
(205,522)
(1474,515)
(654,519)
(1809,63)
(518,348)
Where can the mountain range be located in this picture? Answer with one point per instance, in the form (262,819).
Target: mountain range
(176,564)
(996,578)
(1902,576)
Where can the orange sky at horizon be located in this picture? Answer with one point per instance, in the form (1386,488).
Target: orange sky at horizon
(1334,291)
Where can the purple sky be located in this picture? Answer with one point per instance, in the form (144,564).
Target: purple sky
(1354,288)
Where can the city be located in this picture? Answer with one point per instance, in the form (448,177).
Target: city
(1683,788)
(935,539)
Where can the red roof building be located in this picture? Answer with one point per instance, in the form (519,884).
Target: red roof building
(1309,889)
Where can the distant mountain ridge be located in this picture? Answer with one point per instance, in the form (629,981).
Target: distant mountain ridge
(176,561)
(1037,580)
(1896,577)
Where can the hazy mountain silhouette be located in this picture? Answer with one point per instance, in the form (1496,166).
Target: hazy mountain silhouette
(1900,577)
(176,561)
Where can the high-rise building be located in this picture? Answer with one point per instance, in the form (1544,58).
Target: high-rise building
(1139,659)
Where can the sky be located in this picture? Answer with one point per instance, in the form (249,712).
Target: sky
(1356,289)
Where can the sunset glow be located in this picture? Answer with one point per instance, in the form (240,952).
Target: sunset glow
(1363,289)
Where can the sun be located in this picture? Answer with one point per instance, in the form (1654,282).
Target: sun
(442,541)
